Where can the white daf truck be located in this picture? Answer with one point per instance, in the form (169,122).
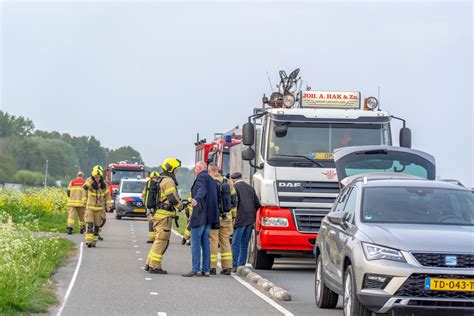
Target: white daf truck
(287,152)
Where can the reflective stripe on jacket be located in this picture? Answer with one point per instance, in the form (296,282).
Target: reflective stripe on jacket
(75,192)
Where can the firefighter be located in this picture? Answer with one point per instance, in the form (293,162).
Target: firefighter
(221,236)
(96,199)
(149,201)
(74,202)
(167,204)
(187,230)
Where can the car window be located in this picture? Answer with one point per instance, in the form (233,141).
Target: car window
(339,207)
(351,204)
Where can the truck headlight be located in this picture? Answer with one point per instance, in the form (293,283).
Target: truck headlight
(122,202)
(274,221)
(288,100)
(371,103)
(375,252)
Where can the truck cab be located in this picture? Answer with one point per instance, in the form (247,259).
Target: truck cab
(291,141)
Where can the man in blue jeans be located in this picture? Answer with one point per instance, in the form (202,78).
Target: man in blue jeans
(205,214)
(247,207)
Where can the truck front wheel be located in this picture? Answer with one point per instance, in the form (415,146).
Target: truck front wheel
(259,259)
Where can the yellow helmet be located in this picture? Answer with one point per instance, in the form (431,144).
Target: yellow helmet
(170,164)
(97,171)
(154,174)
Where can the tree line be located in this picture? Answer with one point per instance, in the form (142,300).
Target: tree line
(25,150)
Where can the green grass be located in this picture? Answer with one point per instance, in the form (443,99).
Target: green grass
(40,291)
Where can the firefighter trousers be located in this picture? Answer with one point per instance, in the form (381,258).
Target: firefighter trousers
(93,221)
(162,227)
(72,215)
(221,238)
(151,229)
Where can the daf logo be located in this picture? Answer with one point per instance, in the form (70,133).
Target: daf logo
(289,184)
(451,261)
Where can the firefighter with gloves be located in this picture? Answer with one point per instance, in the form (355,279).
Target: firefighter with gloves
(167,203)
(220,236)
(149,200)
(96,198)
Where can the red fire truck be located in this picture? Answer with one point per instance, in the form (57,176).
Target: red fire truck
(218,150)
(117,171)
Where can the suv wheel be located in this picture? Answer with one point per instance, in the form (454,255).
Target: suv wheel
(351,305)
(324,297)
(259,259)
(118,216)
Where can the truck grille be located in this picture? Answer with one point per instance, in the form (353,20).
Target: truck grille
(319,194)
(439,260)
(414,286)
(309,220)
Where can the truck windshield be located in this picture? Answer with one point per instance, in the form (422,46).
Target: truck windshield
(418,205)
(117,174)
(318,141)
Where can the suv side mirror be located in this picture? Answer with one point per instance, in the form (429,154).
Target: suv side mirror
(405,137)
(338,218)
(248,154)
(248,132)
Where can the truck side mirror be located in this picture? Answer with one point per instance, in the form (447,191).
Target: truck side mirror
(405,137)
(248,154)
(248,132)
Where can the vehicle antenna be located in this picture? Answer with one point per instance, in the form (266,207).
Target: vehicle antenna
(378,97)
(269,81)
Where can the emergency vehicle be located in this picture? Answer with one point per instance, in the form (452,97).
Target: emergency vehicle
(218,150)
(117,171)
(288,159)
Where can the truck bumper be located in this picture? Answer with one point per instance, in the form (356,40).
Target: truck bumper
(285,241)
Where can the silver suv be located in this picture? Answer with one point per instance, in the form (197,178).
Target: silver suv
(393,239)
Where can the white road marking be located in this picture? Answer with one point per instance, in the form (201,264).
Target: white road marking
(274,304)
(137,251)
(140,259)
(134,241)
(153,293)
(148,279)
(176,233)
(161,314)
(135,246)
(73,280)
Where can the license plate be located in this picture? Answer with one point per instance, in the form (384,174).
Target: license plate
(435,284)
(139,210)
(323,156)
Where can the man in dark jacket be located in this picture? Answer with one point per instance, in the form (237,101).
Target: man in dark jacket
(247,207)
(205,214)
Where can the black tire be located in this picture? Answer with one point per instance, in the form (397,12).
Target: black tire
(259,259)
(355,308)
(323,296)
(118,216)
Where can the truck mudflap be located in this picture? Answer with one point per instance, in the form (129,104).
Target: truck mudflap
(273,235)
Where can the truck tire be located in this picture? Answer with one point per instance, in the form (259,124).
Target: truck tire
(259,259)
(118,216)
(323,296)
(350,303)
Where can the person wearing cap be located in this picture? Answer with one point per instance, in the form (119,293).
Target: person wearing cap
(74,202)
(96,199)
(247,207)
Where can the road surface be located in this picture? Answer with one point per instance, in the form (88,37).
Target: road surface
(110,280)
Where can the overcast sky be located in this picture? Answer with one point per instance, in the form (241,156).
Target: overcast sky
(152,74)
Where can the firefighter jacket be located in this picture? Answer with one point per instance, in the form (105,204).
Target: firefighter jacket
(96,196)
(74,192)
(169,200)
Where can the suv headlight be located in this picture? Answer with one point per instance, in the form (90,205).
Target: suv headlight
(123,202)
(275,221)
(376,252)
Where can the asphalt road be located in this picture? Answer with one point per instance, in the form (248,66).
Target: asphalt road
(110,281)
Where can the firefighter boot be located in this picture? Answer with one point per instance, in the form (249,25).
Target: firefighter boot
(69,230)
(157,271)
(213,271)
(226,271)
(83,229)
